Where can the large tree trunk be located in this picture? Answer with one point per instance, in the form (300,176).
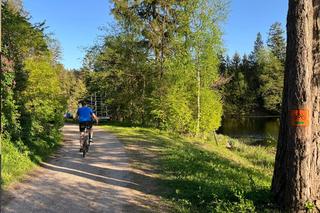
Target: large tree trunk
(296,178)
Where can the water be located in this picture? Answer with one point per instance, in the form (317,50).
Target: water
(259,129)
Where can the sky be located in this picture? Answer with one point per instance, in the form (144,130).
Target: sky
(76,24)
(247,18)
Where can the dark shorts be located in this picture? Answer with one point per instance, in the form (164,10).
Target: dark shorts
(83,125)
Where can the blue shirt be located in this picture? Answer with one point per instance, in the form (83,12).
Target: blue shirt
(85,114)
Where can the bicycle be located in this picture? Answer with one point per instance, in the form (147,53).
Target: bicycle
(85,142)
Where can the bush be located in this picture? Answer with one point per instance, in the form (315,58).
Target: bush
(14,162)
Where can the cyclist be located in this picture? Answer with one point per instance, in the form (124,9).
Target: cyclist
(85,116)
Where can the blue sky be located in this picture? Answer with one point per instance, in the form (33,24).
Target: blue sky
(247,18)
(76,23)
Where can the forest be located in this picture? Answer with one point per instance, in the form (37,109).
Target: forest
(255,81)
(171,71)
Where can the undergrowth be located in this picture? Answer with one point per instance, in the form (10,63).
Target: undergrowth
(18,158)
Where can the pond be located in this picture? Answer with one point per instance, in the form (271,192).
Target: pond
(258,129)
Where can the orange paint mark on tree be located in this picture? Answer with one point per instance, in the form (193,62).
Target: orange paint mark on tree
(299,117)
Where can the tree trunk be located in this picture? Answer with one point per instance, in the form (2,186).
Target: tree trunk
(198,100)
(1,90)
(296,178)
(143,100)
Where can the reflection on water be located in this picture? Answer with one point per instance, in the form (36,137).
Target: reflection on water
(259,127)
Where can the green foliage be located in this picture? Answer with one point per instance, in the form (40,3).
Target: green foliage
(239,94)
(123,73)
(310,206)
(10,114)
(258,46)
(174,113)
(271,77)
(43,100)
(159,68)
(73,88)
(243,205)
(16,6)
(14,162)
(256,81)
(276,41)
(32,98)
(211,111)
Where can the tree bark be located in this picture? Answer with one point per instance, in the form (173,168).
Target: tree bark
(296,178)
(198,100)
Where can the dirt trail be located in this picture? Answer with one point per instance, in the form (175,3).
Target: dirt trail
(102,182)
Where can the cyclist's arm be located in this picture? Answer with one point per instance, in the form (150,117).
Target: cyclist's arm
(95,118)
(77,116)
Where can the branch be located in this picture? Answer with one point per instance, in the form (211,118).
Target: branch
(223,79)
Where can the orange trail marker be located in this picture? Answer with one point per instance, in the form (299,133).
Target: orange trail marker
(299,117)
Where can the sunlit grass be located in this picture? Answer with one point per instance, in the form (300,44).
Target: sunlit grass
(18,159)
(14,163)
(201,176)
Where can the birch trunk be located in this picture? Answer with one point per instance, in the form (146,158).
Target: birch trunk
(198,101)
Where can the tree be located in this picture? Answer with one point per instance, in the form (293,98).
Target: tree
(238,97)
(276,41)
(270,70)
(251,93)
(295,183)
(253,75)
(205,47)
(43,97)
(258,46)
(121,70)
(156,21)
(15,6)
(73,88)
(160,67)
(20,39)
(33,104)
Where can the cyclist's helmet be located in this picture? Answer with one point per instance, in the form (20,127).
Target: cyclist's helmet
(82,102)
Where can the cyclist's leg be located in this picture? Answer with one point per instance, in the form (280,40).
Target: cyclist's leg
(90,131)
(91,135)
(81,128)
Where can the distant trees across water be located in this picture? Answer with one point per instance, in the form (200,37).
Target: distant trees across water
(256,80)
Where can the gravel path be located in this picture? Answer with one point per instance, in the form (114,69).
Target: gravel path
(101,182)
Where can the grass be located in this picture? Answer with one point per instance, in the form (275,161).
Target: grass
(14,163)
(201,176)
(19,159)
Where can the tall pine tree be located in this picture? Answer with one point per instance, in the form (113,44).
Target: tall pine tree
(276,41)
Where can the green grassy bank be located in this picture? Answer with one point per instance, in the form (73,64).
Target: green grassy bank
(202,176)
(18,159)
